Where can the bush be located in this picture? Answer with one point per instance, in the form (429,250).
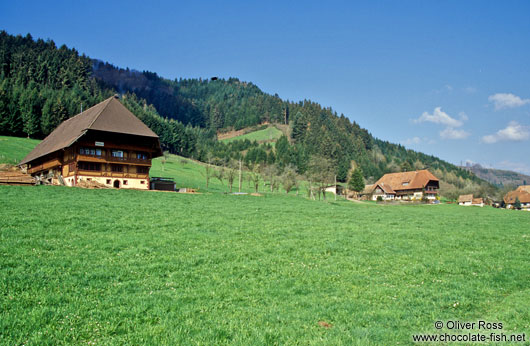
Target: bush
(379,199)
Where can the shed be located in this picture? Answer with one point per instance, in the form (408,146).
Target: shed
(162,184)
(465,199)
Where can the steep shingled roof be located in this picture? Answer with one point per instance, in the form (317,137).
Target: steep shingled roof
(407,180)
(109,115)
(522,192)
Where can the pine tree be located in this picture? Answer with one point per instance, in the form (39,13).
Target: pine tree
(356,182)
(28,104)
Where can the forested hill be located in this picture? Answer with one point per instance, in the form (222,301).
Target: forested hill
(42,84)
(498,177)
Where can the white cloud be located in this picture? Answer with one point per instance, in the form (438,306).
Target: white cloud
(502,100)
(513,132)
(439,117)
(451,133)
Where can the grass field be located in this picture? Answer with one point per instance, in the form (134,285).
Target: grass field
(132,267)
(14,149)
(271,133)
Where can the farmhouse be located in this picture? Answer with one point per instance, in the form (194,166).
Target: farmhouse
(406,186)
(106,144)
(522,193)
(335,189)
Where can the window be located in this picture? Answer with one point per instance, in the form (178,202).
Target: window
(90,166)
(142,182)
(117,153)
(125,182)
(142,169)
(405,183)
(116,168)
(141,156)
(108,181)
(90,151)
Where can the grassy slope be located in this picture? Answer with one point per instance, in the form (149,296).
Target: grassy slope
(14,149)
(116,266)
(269,134)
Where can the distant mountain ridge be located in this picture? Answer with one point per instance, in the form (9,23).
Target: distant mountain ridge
(498,177)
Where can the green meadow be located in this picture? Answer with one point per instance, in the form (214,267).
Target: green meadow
(13,149)
(271,133)
(144,267)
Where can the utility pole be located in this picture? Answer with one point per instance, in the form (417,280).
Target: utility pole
(239,175)
(336,191)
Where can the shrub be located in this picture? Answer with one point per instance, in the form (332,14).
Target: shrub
(379,199)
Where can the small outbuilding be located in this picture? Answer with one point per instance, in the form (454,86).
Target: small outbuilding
(162,184)
(479,202)
(335,189)
(465,200)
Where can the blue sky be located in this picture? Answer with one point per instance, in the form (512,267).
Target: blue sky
(448,78)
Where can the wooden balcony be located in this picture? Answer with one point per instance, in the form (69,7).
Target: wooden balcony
(113,159)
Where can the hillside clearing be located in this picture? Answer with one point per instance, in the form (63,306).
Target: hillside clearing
(270,134)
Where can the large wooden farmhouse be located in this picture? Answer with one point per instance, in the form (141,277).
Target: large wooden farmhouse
(106,144)
(522,193)
(406,186)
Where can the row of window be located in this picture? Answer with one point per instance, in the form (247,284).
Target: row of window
(94,166)
(125,182)
(90,151)
(114,153)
